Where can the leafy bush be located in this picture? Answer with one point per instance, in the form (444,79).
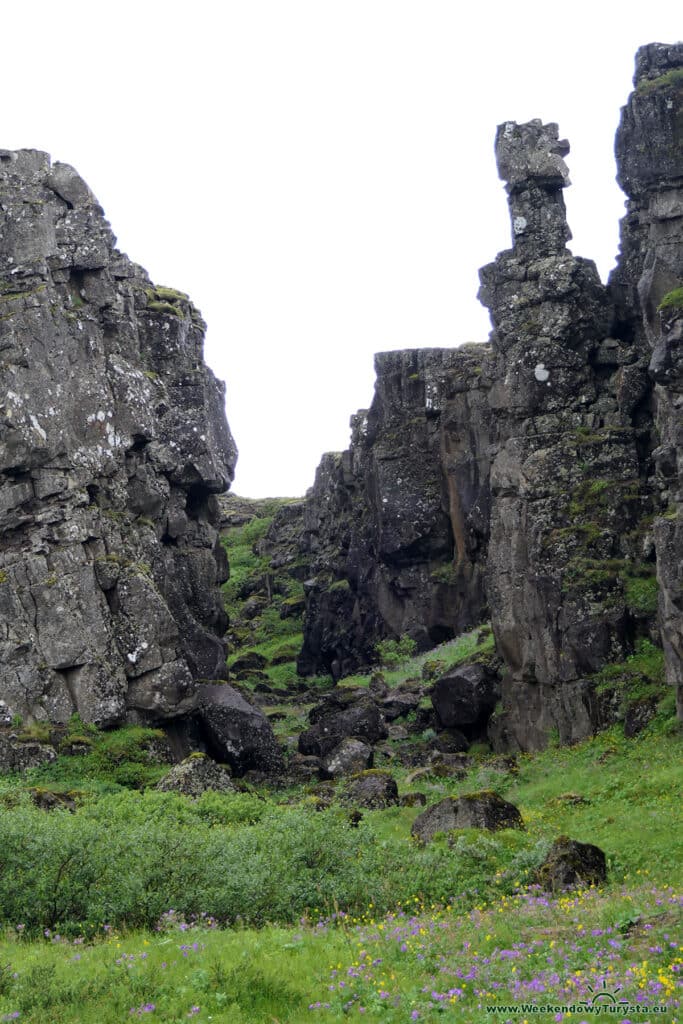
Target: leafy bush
(392,652)
(128,857)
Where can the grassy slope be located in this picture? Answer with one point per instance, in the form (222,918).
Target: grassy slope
(278,639)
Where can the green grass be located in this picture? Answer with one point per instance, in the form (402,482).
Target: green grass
(276,636)
(405,929)
(475,645)
(422,962)
(123,758)
(669,79)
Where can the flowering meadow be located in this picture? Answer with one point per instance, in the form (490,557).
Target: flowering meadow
(257,907)
(572,953)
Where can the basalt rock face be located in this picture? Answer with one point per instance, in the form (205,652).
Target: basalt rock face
(397,526)
(570,491)
(537,478)
(113,445)
(647,285)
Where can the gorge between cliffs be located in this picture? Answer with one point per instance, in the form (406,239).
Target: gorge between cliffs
(405,747)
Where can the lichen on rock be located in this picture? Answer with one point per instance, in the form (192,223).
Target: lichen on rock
(113,445)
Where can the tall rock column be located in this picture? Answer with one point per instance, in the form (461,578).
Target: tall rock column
(566,484)
(648,287)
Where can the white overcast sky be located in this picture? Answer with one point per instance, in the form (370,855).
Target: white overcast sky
(319,174)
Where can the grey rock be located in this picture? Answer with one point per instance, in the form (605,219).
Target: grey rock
(240,733)
(361,720)
(373,789)
(399,704)
(396,527)
(195,775)
(113,443)
(304,768)
(412,800)
(17,755)
(570,864)
(465,696)
(349,758)
(476,810)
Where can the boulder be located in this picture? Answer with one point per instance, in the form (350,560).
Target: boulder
(571,864)
(53,800)
(412,800)
(449,765)
(361,720)
(465,696)
(372,789)
(247,662)
(475,810)
(302,768)
(349,758)
(195,775)
(452,741)
(239,733)
(18,756)
(398,704)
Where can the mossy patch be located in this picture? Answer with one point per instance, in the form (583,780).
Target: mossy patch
(670,79)
(167,301)
(673,300)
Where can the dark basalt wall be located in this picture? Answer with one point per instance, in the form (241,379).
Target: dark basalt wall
(538,478)
(396,527)
(113,445)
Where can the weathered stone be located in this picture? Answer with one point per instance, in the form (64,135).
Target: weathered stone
(525,473)
(399,704)
(303,768)
(451,741)
(247,662)
(571,864)
(397,525)
(465,696)
(238,733)
(18,756)
(649,150)
(476,810)
(412,800)
(195,775)
(349,758)
(52,800)
(113,442)
(339,717)
(446,764)
(638,716)
(373,789)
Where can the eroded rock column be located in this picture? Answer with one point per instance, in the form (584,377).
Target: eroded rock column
(566,483)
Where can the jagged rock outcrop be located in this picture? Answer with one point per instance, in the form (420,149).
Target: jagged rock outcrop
(648,287)
(538,476)
(113,445)
(397,525)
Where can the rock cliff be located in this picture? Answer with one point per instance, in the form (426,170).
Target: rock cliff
(113,445)
(537,478)
(397,526)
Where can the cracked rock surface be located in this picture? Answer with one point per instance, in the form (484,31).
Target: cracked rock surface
(113,446)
